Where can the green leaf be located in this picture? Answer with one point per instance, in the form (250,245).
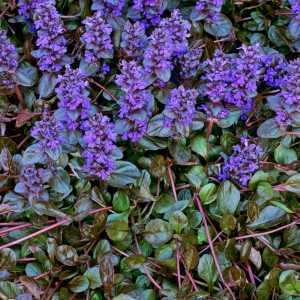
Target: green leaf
(117,230)
(8,258)
(284,155)
(197,176)
(199,145)
(220,28)
(228,198)
(207,270)
(60,183)
(293,184)
(259,176)
(178,221)
(156,127)
(231,119)
(269,129)
(289,282)
(208,193)
(268,217)
(47,84)
(8,289)
(67,255)
(133,262)
(26,74)
(264,190)
(157,232)
(121,201)
(33,269)
(294,28)
(93,276)
(277,36)
(79,284)
(125,173)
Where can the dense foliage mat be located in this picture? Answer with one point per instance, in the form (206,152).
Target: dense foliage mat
(149,149)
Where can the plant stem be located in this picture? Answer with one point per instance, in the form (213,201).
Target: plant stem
(199,205)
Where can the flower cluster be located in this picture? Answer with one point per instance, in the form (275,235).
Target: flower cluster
(137,102)
(96,39)
(288,108)
(295,4)
(209,9)
(48,133)
(233,79)
(74,102)
(134,39)
(180,109)
(32,182)
(158,55)
(52,44)
(178,29)
(99,144)
(151,10)
(8,61)
(274,65)
(167,41)
(243,162)
(190,62)
(111,8)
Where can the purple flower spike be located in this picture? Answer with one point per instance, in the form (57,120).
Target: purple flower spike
(136,105)
(99,143)
(112,8)
(52,44)
(134,39)
(243,162)
(96,39)
(48,133)
(180,108)
(73,97)
(8,61)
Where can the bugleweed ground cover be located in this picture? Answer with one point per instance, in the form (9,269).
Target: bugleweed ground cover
(149,149)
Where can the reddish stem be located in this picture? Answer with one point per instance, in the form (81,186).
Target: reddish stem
(172,180)
(178,267)
(34,234)
(267,232)
(252,279)
(8,230)
(199,205)
(191,279)
(152,279)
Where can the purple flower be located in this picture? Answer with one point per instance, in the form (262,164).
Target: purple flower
(242,163)
(178,29)
(167,41)
(288,108)
(180,108)
(96,39)
(290,88)
(149,9)
(233,79)
(48,133)
(158,55)
(32,182)
(99,144)
(73,97)
(295,4)
(51,42)
(209,9)
(137,102)
(134,39)
(274,65)
(190,63)
(111,8)
(8,61)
